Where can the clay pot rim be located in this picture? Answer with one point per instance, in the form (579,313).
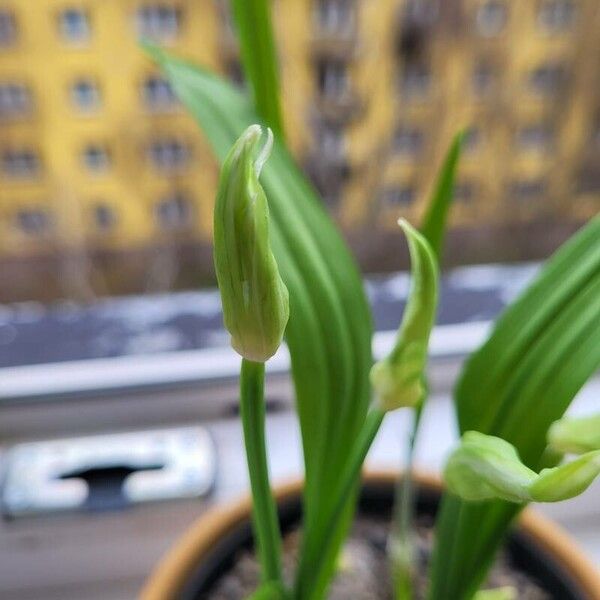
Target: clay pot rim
(174,568)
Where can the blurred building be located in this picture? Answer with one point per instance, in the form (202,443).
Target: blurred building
(106,185)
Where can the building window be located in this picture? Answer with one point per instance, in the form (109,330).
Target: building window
(169,154)
(491,18)
(416,81)
(483,79)
(235,73)
(96,158)
(527,189)
(556,16)
(73,25)
(174,211)
(157,93)
(464,191)
(158,21)
(85,95)
(8,28)
(104,217)
(15,100)
(23,163)
(472,139)
(403,195)
(335,16)
(408,141)
(332,78)
(535,138)
(33,221)
(331,143)
(547,79)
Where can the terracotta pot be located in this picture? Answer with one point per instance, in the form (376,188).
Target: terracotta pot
(206,551)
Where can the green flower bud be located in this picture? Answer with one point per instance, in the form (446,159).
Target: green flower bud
(398,379)
(255,299)
(484,467)
(575,435)
(568,480)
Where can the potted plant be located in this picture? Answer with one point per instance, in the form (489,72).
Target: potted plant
(283,269)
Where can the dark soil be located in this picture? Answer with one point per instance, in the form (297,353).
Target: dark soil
(363,572)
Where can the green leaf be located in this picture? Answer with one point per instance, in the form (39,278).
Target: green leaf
(255,299)
(434,221)
(541,352)
(503,593)
(329,331)
(259,58)
(398,378)
(575,435)
(270,591)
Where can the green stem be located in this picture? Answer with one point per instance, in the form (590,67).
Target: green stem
(312,560)
(259,58)
(401,535)
(266,523)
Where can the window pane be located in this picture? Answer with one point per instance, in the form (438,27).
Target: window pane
(335,15)
(527,189)
(537,137)
(416,81)
(15,100)
(491,18)
(8,28)
(332,78)
(104,217)
(33,221)
(96,158)
(403,195)
(20,163)
(157,93)
(483,79)
(547,79)
(158,21)
(555,16)
(74,25)
(408,141)
(174,211)
(169,154)
(85,95)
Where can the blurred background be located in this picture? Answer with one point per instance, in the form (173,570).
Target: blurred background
(109,321)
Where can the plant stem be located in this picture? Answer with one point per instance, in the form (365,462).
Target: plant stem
(259,58)
(401,542)
(311,563)
(266,524)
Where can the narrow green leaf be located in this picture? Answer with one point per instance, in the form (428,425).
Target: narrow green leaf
(541,352)
(398,378)
(575,435)
(434,222)
(259,58)
(329,331)
(503,593)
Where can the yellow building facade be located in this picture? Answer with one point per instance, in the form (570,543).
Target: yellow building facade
(97,155)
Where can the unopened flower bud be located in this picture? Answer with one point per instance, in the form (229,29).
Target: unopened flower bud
(575,435)
(398,379)
(568,480)
(485,467)
(255,299)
